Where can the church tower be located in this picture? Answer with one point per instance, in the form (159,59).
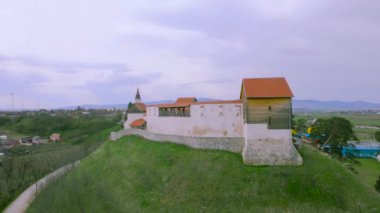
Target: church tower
(138,97)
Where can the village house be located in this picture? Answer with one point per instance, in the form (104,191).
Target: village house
(55,137)
(3,137)
(10,144)
(258,124)
(26,141)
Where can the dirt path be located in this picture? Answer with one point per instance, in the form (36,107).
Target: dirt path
(25,199)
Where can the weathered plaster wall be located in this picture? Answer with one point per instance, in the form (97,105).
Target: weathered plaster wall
(269,147)
(132,117)
(208,120)
(229,144)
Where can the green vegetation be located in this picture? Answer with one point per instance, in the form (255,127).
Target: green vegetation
(367,170)
(300,125)
(45,124)
(356,118)
(137,175)
(377,136)
(334,131)
(377,186)
(24,165)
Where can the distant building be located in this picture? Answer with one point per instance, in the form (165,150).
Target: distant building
(55,137)
(135,111)
(26,141)
(262,117)
(86,113)
(3,137)
(11,143)
(36,139)
(361,149)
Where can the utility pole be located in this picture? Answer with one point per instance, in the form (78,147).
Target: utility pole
(12,101)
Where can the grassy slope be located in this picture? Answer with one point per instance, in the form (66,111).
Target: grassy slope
(136,175)
(369,171)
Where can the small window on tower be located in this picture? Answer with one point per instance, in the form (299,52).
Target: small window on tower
(270,108)
(202,111)
(221,111)
(238,110)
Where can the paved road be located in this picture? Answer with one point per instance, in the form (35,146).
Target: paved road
(25,199)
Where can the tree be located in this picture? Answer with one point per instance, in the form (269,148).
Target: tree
(377,186)
(377,136)
(335,131)
(300,125)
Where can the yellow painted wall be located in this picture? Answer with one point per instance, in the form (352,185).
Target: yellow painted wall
(276,112)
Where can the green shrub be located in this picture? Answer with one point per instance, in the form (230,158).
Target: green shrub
(377,136)
(377,186)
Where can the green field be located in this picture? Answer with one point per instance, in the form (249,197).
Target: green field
(137,175)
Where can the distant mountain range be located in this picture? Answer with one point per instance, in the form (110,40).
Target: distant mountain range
(298,105)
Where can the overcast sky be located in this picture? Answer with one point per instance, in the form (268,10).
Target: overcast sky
(71,52)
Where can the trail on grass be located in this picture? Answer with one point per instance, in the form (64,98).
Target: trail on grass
(23,201)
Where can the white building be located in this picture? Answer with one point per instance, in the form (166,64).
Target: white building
(261,118)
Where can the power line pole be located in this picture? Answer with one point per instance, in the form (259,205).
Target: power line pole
(12,101)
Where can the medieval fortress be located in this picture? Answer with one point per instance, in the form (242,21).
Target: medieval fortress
(257,125)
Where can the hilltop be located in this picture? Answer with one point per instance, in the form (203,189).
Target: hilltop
(137,175)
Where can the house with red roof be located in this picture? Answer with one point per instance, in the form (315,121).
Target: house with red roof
(261,118)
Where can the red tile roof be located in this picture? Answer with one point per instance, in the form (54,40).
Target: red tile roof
(220,102)
(266,88)
(141,106)
(180,102)
(186,100)
(172,105)
(138,123)
(187,104)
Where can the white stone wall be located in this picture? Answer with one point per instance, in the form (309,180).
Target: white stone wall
(261,131)
(229,144)
(132,117)
(206,120)
(265,146)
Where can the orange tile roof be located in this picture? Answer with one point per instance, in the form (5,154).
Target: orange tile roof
(220,102)
(138,123)
(180,102)
(266,88)
(141,106)
(187,104)
(171,105)
(186,100)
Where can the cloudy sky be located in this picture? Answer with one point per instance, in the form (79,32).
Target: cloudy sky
(60,53)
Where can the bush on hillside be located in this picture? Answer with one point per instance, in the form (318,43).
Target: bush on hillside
(377,186)
(377,136)
(4,120)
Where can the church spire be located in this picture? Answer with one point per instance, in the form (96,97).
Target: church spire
(138,97)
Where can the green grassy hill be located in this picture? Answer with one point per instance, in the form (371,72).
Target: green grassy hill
(136,175)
